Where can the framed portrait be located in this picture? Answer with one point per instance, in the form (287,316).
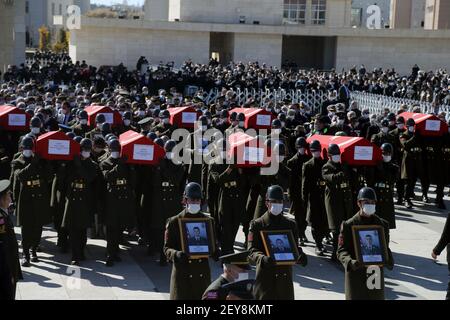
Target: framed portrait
(370,244)
(197,237)
(281,246)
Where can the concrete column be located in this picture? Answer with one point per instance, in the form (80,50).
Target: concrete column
(401,14)
(308,13)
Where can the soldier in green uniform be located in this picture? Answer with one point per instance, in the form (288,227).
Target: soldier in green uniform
(57,202)
(383,136)
(235,269)
(313,195)
(356,274)
(81,200)
(164,128)
(190,277)
(10,271)
(433,166)
(386,173)
(127,124)
(81,127)
(298,208)
(230,182)
(412,160)
(31,178)
(445,166)
(338,195)
(166,197)
(120,201)
(97,131)
(273,282)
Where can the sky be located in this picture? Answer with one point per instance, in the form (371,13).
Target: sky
(111,2)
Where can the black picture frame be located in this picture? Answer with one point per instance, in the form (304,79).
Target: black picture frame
(201,246)
(280,246)
(370,244)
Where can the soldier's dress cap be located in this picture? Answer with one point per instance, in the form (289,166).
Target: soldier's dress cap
(145,121)
(239,259)
(4,186)
(241,289)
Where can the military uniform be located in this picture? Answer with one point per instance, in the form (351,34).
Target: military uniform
(298,207)
(313,195)
(272,282)
(356,280)
(10,271)
(386,174)
(94,133)
(58,200)
(120,201)
(397,158)
(231,203)
(412,166)
(214,290)
(31,180)
(81,129)
(190,278)
(433,165)
(380,138)
(82,202)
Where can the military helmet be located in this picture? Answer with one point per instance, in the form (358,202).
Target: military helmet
(367,193)
(275,193)
(127,115)
(86,144)
(169,145)
(241,117)
(224,114)
(78,139)
(391,116)
(193,191)
(100,118)
(35,122)
(114,145)
(83,115)
(410,122)
(152,136)
(233,116)
(385,123)
(276,123)
(203,120)
(159,142)
(106,127)
(70,134)
(333,149)
(387,148)
(400,119)
(301,143)
(164,114)
(27,143)
(315,146)
(282,117)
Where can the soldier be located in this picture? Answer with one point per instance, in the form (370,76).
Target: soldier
(145,125)
(81,200)
(230,181)
(97,131)
(444,242)
(383,136)
(398,157)
(235,269)
(164,128)
(338,194)
(445,166)
(81,128)
(31,178)
(273,282)
(166,197)
(190,277)
(10,271)
(119,201)
(313,196)
(433,168)
(386,173)
(412,160)
(127,123)
(356,274)
(298,208)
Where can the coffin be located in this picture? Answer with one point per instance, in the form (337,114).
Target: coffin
(139,149)
(428,125)
(247,151)
(183,117)
(112,116)
(14,119)
(55,145)
(255,118)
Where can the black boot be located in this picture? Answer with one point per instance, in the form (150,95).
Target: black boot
(440,204)
(34,257)
(425,199)
(109,261)
(26,259)
(409,204)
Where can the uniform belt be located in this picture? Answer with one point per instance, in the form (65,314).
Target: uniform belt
(77,185)
(231,184)
(167,184)
(321,183)
(430,149)
(121,182)
(382,185)
(416,150)
(343,185)
(34,183)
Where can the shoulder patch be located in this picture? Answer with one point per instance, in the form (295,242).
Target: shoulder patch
(212,295)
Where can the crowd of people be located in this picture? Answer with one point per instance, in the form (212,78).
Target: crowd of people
(99,190)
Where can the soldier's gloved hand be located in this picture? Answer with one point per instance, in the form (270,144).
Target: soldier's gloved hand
(356,265)
(268,262)
(181,257)
(302,260)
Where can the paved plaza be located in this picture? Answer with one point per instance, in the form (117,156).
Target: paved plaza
(138,276)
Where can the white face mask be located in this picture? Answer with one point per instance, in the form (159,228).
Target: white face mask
(83,121)
(316,154)
(336,158)
(27,153)
(85,154)
(169,155)
(369,209)
(99,125)
(241,124)
(400,126)
(340,122)
(35,130)
(385,130)
(242,276)
(126,122)
(115,155)
(166,121)
(301,151)
(387,158)
(193,208)
(276,208)
(411,129)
